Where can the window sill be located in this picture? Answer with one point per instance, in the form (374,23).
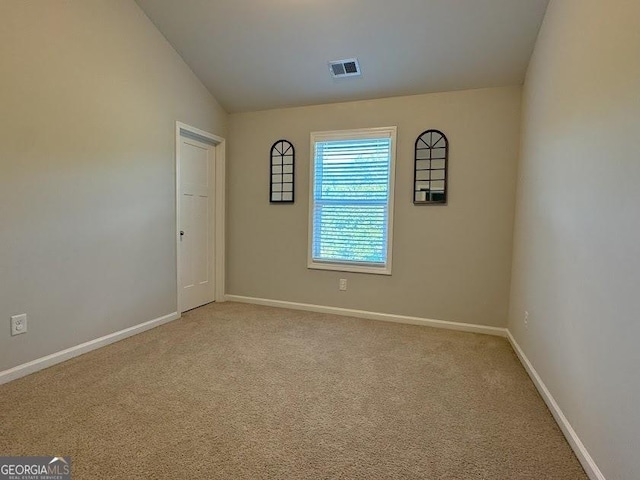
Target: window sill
(345,267)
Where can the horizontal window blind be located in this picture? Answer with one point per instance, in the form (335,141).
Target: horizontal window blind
(351,201)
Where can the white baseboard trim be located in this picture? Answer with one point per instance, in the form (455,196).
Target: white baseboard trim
(578,447)
(63,355)
(385,317)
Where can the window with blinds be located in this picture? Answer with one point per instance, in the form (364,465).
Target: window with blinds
(352,200)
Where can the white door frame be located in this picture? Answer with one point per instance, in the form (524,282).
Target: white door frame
(218,263)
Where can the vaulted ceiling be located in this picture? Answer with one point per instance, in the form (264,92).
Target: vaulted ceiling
(260,54)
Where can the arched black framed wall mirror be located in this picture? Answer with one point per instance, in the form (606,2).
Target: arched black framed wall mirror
(431,168)
(281,188)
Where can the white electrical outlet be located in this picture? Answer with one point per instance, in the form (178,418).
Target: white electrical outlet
(342,285)
(526,319)
(19,324)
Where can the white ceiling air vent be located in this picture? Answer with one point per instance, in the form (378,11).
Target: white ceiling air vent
(345,68)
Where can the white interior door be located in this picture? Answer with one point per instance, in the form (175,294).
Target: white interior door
(197,181)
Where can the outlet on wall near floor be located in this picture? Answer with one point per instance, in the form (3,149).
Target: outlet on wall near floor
(526,319)
(342,284)
(19,324)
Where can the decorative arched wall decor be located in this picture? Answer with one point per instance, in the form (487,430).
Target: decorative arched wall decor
(431,168)
(282,172)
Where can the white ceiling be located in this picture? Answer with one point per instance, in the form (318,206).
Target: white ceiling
(260,54)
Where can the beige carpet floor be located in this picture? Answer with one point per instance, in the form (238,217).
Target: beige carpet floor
(235,391)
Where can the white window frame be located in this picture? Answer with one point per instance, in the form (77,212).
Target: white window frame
(363,133)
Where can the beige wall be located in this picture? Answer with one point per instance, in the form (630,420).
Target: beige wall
(90,92)
(449,262)
(577,241)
